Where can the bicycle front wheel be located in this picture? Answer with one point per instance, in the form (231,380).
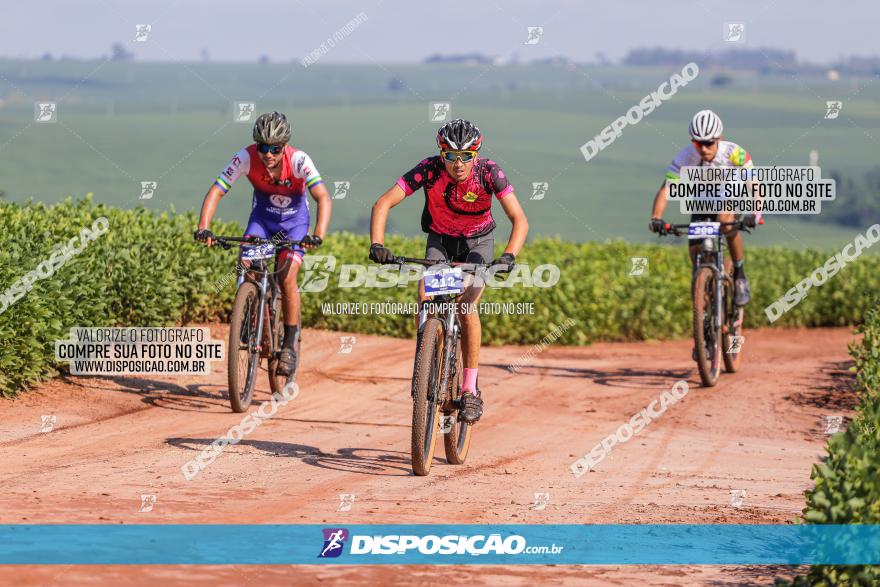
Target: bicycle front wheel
(706,333)
(426,395)
(243,356)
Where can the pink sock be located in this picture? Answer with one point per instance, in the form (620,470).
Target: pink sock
(469,380)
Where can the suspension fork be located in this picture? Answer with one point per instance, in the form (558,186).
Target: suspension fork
(719,285)
(451,324)
(274,317)
(261,306)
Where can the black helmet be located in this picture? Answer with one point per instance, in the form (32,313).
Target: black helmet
(459,135)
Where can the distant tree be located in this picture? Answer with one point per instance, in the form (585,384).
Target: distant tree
(263,59)
(854,202)
(120,53)
(721,80)
(395,84)
(46,57)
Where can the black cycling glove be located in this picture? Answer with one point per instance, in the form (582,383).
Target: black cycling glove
(381,253)
(657,225)
(313,240)
(203,235)
(749,220)
(507,260)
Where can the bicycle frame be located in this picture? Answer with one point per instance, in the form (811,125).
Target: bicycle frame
(452,331)
(449,315)
(266,280)
(266,284)
(713,248)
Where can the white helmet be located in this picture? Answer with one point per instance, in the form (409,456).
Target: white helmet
(706,126)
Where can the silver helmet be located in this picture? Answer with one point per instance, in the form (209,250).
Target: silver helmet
(272,129)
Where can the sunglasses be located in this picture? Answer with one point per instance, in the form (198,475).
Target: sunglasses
(274,149)
(704,143)
(465,156)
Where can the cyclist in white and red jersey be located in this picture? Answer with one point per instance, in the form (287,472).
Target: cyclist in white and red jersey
(281,177)
(708,149)
(459,187)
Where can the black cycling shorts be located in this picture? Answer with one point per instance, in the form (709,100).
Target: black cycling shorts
(441,247)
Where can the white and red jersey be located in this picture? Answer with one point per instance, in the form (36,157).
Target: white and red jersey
(275,200)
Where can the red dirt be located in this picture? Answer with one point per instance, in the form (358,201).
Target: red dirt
(114,439)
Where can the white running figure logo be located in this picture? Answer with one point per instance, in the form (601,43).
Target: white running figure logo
(334,544)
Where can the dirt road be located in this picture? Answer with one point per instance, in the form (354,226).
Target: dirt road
(114,439)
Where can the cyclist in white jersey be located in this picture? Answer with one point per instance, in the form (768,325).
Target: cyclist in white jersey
(709,150)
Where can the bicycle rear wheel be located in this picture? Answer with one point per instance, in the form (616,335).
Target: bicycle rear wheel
(457,441)
(706,333)
(426,390)
(243,357)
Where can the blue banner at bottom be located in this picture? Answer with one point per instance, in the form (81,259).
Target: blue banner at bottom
(267,544)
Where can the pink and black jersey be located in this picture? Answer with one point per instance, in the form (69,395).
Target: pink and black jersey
(457,209)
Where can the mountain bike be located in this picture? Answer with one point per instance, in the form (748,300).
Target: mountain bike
(437,368)
(718,321)
(252,339)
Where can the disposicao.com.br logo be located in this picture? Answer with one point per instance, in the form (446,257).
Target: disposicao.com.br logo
(431,544)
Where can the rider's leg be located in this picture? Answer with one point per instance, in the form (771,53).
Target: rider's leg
(471,335)
(742,291)
(290,300)
(435,249)
(480,251)
(290,261)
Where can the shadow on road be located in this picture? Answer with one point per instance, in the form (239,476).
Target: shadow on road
(367,461)
(166,394)
(627,377)
(833,388)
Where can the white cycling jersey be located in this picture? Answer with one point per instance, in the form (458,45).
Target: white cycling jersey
(729,155)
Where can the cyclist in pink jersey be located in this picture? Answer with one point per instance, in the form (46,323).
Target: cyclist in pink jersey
(459,189)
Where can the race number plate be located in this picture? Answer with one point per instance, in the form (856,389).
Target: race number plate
(703,229)
(447,280)
(254,252)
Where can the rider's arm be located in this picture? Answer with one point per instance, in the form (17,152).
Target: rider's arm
(209,206)
(325,205)
(379,216)
(304,168)
(520,224)
(660,202)
(687,156)
(237,166)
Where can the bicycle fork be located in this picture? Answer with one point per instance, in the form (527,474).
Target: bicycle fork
(261,308)
(448,350)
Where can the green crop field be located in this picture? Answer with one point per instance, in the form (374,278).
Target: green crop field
(123,123)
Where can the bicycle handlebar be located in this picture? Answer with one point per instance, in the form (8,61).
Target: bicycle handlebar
(431,262)
(224,241)
(675,229)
